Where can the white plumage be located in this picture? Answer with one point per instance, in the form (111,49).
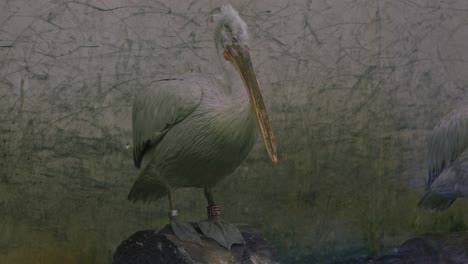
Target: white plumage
(190,132)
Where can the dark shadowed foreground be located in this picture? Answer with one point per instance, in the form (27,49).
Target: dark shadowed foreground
(438,248)
(149,246)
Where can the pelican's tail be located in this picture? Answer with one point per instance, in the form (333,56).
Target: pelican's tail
(435,201)
(147,188)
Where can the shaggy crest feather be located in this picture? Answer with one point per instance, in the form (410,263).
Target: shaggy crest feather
(228,25)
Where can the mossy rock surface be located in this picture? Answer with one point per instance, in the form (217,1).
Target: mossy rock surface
(152,247)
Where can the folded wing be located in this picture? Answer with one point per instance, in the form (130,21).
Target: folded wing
(158,108)
(448,140)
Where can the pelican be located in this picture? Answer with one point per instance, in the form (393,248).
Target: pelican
(193,130)
(448,161)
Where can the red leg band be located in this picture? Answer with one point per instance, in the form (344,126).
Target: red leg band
(213,210)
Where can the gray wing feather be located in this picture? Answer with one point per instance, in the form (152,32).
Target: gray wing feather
(448,140)
(157,109)
(453,181)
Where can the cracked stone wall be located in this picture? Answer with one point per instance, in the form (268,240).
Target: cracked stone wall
(353,89)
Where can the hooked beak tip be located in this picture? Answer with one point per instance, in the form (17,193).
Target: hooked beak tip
(275,162)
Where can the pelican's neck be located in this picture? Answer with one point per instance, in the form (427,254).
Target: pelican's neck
(233,84)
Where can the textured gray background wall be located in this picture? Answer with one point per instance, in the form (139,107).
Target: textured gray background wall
(353,88)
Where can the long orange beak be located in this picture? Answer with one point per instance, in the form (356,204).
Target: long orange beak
(240,57)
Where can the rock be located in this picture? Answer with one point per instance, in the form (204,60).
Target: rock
(153,247)
(438,248)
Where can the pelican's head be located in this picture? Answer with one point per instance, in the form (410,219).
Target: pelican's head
(233,38)
(231,29)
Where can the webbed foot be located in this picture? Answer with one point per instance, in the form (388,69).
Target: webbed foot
(224,233)
(185,231)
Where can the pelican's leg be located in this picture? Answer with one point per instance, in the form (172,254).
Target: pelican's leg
(224,233)
(183,231)
(212,209)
